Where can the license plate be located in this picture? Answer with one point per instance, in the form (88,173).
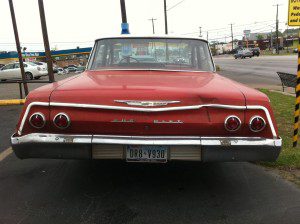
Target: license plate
(145,153)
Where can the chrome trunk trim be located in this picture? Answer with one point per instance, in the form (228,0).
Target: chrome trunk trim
(147,110)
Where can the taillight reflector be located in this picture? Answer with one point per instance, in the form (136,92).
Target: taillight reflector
(62,121)
(257,124)
(37,120)
(232,123)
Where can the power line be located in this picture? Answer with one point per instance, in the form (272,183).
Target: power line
(234,26)
(175,5)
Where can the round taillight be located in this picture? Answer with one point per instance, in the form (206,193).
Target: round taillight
(62,120)
(37,120)
(257,124)
(232,123)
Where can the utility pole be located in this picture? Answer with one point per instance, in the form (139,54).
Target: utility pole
(166,19)
(277,27)
(231,36)
(271,40)
(153,26)
(200,31)
(46,41)
(124,25)
(13,18)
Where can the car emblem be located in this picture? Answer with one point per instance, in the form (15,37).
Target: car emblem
(147,103)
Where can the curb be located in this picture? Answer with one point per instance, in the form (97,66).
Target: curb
(12,102)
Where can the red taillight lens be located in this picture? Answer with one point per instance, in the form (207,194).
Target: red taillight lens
(37,120)
(257,124)
(232,123)
(62,120)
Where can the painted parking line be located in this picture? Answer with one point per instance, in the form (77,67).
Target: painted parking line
(5,153)
(12,102)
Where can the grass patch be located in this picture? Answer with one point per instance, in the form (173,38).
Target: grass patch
(281,53)
(288,163)
(283,107)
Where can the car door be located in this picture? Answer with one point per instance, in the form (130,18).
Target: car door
(5,72)
(16,72)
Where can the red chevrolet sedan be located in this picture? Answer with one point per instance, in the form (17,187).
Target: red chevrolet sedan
(148,99)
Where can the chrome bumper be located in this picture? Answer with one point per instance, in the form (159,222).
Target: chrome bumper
(193,148)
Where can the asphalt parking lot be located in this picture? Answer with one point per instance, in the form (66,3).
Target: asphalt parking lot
(67,191)
(53,191)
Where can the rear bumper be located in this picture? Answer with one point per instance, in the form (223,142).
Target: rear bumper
(206,149)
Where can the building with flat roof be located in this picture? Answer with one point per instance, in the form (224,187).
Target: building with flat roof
(60,57)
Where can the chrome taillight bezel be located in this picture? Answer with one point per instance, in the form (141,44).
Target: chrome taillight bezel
(233,116)
(62,114)
(251,120)
(42,115)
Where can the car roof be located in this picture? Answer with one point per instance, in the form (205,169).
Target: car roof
(128,36)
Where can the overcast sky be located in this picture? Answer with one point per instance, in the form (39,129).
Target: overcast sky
(74,23)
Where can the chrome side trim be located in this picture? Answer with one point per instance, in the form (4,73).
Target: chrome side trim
(144,140)
(268,117)
(147,110)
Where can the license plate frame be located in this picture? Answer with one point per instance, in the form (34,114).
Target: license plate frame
(147,153)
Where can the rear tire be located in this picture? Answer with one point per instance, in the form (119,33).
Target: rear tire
(28,76)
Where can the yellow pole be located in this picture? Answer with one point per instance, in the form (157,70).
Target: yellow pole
(297,106)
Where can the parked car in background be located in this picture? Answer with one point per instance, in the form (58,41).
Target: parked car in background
(55,70)
(60,71)
(245,53)
(13,71)
(41,64)
(255,51)
(80,69)
(71,69)
(124,109)
(1,65)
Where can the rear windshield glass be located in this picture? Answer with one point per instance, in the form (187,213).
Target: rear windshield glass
(151,53)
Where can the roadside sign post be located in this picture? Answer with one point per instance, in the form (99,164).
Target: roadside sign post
(294,20)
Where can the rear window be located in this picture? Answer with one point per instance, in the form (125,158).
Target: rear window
(151,53)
